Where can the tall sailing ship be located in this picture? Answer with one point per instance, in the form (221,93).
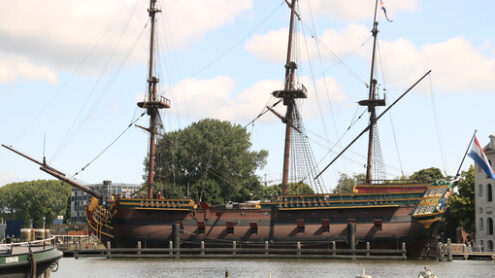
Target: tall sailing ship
(383,214)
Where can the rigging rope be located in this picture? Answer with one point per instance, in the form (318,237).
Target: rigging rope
(380,56)
(340,146)
(339,60)
(68,137)
(245,37)
(437,129)
(107,147)
(66,82)
(324,80)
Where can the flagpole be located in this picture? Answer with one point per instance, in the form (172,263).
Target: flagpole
(469,146)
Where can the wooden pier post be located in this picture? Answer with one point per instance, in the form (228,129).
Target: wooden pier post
(139,248)
(109,250)
(76,251)
(439,252)
(299,248)
(266,248)
(234,248)
(176,234)
(367,249)
(202,248)
(449,249)
(334,248)
(404,251)
(170,248)
(351,234)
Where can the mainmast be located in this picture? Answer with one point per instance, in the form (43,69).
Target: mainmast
(153,103)
(289,94)
(372,101)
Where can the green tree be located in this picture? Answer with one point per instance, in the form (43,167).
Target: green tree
(212,159)
(346,184)
(427,175)
(34,200)
(273,191)
(461,203)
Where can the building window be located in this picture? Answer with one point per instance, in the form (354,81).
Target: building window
(481,224)
(480,191)
(489,223)
(489,192)
(490,245)
(481,210)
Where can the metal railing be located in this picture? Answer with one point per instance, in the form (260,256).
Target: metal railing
(44,243)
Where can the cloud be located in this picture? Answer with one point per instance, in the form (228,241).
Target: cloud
(14,67)
(6,178)
(456,65)
(58,34)
(272,46)
(216,98)
(356,9)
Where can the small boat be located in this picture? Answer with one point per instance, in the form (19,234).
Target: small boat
(427,273)
(28,259)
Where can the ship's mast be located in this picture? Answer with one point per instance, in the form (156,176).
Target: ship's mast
(153,104)
(289,94)
(372,101)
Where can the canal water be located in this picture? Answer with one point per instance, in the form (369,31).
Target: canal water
(215,268)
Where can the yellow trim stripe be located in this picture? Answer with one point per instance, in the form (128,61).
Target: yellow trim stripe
(95,229)
(170,200)
(344,201)
(350,194)
(155,204)
(163,209)
(393,185)
(384,206)
(429,214)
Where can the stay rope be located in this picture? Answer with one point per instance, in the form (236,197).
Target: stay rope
(107,147)
(437,129)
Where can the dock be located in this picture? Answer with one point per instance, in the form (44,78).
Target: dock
(244,251)
(455,251)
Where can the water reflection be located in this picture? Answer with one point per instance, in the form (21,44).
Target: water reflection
(205,268)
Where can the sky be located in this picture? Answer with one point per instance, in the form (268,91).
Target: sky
(72,71)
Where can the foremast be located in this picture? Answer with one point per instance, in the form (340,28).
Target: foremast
(152,104)
(289,94)
(372,102)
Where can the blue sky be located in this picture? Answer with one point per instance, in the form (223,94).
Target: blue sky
(73,70)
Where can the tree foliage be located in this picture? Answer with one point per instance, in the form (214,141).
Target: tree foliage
(34,200)
(427,175)
(462,203)
(212,159)
(346,183)
(273,191)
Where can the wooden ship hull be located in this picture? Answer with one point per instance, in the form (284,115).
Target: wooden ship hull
(383,219)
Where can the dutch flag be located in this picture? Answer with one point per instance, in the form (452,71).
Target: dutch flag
(478,155)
